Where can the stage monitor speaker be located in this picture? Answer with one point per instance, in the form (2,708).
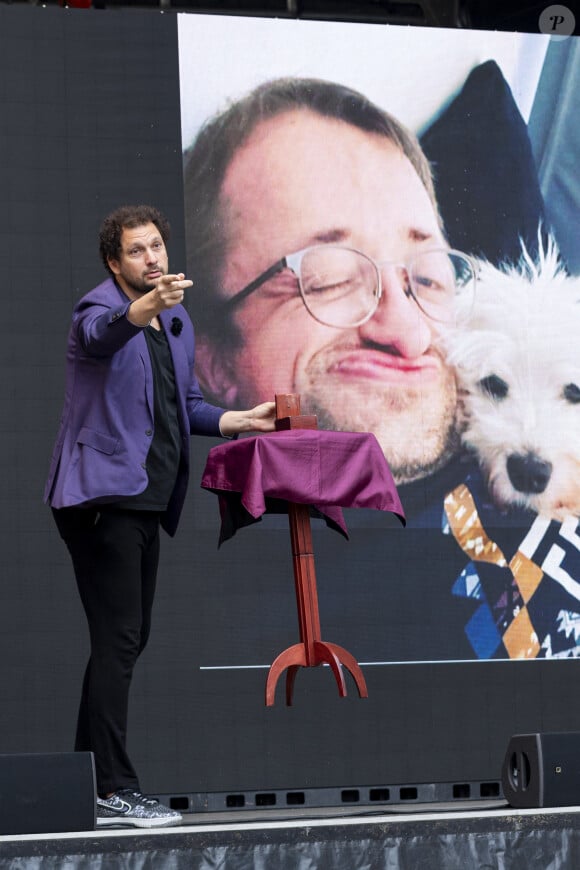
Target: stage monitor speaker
(47,794)
(542,770)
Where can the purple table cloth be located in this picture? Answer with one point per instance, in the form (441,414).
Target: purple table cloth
(326,470)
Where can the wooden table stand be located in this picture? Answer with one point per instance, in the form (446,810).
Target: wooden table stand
(311,651)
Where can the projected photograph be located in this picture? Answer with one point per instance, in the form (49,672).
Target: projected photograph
(384,221)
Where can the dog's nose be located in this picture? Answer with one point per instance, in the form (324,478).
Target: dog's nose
(528,473)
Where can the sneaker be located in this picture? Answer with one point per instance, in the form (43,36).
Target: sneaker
(128,807)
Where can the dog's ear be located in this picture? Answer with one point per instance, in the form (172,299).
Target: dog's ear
(545,258)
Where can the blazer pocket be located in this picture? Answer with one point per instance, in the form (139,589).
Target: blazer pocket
(98,440)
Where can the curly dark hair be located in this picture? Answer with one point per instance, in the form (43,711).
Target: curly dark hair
(127,216)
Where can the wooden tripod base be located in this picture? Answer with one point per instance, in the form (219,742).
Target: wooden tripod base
(324,653)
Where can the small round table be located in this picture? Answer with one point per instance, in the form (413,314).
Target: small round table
(306,468)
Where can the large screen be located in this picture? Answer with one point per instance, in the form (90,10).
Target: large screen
(368,228)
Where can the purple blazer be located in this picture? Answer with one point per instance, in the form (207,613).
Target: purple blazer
(106,425)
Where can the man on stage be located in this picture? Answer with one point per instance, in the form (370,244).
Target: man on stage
(119,471)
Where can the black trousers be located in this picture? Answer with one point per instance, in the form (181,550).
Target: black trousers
(115,555)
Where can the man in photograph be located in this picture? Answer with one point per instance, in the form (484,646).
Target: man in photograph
(312,173)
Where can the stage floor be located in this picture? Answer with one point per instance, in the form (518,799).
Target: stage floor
(488,835)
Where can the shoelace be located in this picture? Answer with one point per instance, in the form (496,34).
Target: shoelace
(138,797)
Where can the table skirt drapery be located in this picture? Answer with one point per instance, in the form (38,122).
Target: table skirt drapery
(325,469)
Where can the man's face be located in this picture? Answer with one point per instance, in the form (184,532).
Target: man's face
(302,180)
(142,260)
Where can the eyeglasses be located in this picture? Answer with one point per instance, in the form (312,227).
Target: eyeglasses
(342,287)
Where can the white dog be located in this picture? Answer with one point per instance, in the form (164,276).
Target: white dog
(516,351)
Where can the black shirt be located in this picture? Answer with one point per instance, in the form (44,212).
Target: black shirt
(163,457)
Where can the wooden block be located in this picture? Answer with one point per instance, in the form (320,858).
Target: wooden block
(287,404)
(299,421)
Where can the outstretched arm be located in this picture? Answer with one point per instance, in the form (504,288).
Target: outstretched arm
(167,293)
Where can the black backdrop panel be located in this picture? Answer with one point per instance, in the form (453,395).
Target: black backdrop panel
(90,119)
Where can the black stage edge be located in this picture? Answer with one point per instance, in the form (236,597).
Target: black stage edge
(498,837)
